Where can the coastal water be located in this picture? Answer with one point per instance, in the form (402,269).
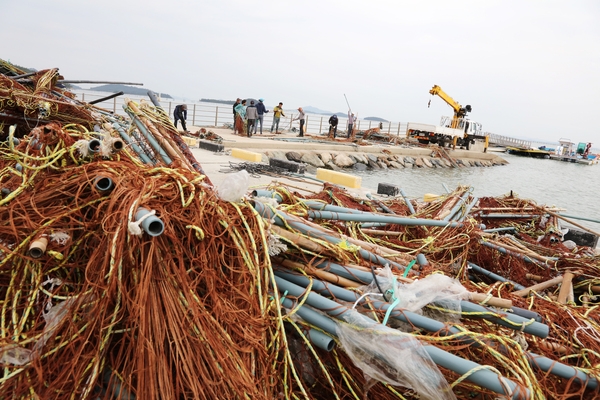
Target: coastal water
(574,187)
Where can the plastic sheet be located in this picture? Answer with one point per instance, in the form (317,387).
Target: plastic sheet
(234,187)
(390,356)
(442,290)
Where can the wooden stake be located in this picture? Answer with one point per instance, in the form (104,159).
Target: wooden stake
(539,287)
(565,288)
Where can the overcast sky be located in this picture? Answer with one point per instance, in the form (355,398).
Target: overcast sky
(529,69)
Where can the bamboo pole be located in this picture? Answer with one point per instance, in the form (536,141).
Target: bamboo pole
(566,288)
(538,287)
(301,241)
(321,274)
(571,222)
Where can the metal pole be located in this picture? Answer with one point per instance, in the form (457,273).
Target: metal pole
(217,116)
(101,99)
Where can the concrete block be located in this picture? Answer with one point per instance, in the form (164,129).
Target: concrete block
(388,188)
(246,155)
(288,165)
(212,146)
(581,238)
(339,178)
(191,142)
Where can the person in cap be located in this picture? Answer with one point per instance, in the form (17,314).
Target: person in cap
(301,117)
(333,123)
(180,114)
(251,115)
(277,114)
(261,110)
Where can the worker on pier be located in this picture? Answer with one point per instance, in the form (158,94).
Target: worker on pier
(180,114)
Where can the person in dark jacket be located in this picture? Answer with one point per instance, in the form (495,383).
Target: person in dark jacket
(261,110)
(180,114)
(333,123)
(251,116)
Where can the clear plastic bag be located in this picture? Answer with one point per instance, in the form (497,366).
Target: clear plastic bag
(388,355)
(440,289)
(234,187)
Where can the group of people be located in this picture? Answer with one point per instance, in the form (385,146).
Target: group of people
(248,117)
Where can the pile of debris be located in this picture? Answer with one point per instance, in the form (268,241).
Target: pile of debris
(124,274)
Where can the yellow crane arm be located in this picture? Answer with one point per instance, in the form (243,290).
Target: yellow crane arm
(436,90)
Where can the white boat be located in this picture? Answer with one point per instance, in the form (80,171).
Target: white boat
(570,152)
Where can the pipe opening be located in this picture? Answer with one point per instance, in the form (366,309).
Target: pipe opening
(118,145)
(38,247)
(94,145)
(103,184)
(155,228)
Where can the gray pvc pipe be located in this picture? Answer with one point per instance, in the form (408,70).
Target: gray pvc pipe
(457,206)
(295,223)
(367,277)
(373,224)
(516,322)
(468,209)
(133,144)
(312,317)
(103,184)
(347,272)
(581,218)
(152,225)
(543,363)
(321,340)
(142,128)
(271,194)
(509,229)
(482,377)
(407,201)
(510,253)
(493,276)
(422,260)
(380,204)
(562,370)
(497,215)
(320,206)
(368,217)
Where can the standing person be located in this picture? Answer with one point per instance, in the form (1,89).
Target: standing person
(180,114)
(277,113)
(333,123)
(240,117)
(251,115)
(262,110)
(301,117)
(351,121)
(237,101)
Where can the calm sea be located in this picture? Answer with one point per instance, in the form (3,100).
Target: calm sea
(575,187)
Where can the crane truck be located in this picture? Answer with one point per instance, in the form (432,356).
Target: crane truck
(456,130)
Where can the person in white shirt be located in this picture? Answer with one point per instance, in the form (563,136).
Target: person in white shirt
(301,117)
(351,121)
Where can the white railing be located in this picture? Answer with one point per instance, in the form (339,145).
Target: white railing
(509,141)
(216,115)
